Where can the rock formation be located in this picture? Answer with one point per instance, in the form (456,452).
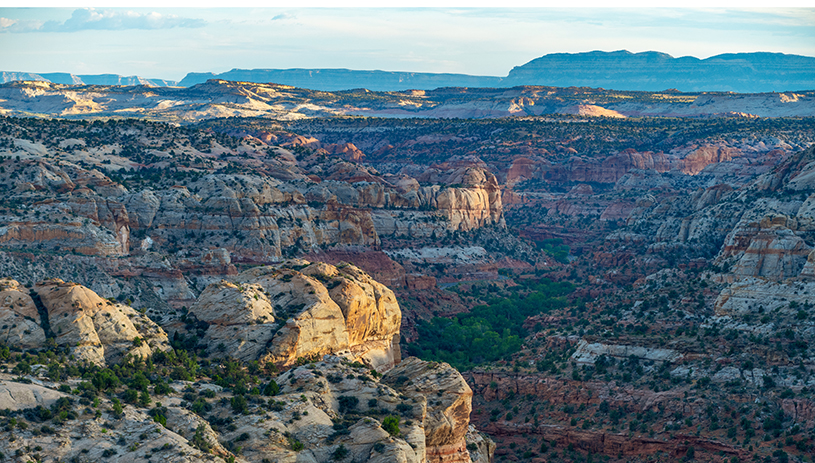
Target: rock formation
(20,320)
(301,310)
(449,403)
(94,329)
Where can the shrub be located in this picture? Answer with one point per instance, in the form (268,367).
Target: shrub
(239,404)
(340,453)
(347,403)
(118,411)
(391,425)
(198,440)
(296,445)
(271,389)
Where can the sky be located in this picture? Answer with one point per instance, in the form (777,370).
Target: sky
(170,42)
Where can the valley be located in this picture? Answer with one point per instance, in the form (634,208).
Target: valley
(255,272)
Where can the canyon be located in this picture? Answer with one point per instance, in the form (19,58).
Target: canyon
(323,288)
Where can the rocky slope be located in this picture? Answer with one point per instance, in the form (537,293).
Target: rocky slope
(325,407)
(311,418)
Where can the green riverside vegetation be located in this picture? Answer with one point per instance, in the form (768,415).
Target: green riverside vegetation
(488,332)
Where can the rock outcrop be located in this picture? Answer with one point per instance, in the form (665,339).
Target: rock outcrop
(97,330)
(19,319)
(449,403)
(300,310)
(132,437)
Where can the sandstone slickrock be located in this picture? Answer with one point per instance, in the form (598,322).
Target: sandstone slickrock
(432,399)
(95,329)
(300,310)
(589,352)
(133,437)
(20,396)
(20,320)
(449,404)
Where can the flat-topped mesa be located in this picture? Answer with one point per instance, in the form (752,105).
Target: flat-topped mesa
(299,310)
(95,329)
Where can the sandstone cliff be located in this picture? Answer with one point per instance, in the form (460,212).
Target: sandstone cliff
(449,404)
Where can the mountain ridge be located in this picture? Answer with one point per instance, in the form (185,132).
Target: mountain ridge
(754,72)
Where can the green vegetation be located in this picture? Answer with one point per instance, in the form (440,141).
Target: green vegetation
(488,332)
(555,248)
(391,425)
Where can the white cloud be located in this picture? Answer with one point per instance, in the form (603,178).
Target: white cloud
(16,25)
(92,19)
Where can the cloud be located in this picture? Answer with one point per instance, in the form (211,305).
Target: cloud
(282,16)
(16,25)
(92,19)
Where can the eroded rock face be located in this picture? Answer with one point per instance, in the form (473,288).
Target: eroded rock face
(302,310)
(95,329)
(19,396)
(342,391)
(449,403)
(19,319)
(289,203)
(775,252)
(475,204)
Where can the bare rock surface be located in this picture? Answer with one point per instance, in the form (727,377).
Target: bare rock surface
(19,317)
(19,396)
(299,310)
(449,403)
(95,329)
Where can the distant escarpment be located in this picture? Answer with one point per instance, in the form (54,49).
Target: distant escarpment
(620,70)
(217,98)
(653,71)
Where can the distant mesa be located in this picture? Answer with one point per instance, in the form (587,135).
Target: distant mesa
(758,72)
(653,71)
(65,78)
(619,70)
(345,79)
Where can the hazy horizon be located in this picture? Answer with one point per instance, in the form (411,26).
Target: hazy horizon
(167,43)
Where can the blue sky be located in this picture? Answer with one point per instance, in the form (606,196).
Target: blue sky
(168,43)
